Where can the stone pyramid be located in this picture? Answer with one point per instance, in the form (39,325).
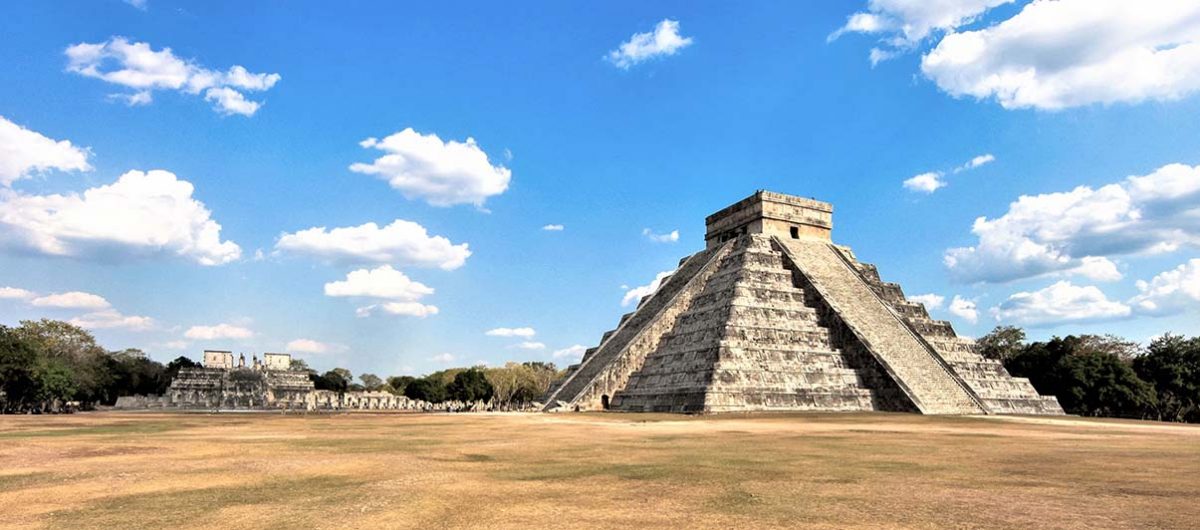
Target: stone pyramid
(772,315)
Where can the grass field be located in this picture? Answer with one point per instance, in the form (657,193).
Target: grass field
(141,470)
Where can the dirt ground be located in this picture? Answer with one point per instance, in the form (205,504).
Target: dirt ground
(150,470)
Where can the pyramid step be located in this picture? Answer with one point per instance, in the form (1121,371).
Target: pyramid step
(917,369)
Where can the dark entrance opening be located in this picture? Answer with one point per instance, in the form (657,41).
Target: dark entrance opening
(795,232)
(604,401)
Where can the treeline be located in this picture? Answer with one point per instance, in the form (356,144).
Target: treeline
(53,366)
(1095,375)
(513,385)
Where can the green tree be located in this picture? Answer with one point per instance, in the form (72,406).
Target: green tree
(470,385)
(1002,343)
(19,378)
(399,383)
(1172,365)
(1085,381)
(426,389)
(337,380)
(371,381)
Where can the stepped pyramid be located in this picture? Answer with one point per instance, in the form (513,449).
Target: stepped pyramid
(772,315)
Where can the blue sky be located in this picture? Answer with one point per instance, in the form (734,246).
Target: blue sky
(262,109)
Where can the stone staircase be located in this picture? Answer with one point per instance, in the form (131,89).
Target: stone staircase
(605,369)
(750,341)
(1000,392)
(929,382)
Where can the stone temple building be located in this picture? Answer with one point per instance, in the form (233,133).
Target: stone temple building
(220,383)
(772,315)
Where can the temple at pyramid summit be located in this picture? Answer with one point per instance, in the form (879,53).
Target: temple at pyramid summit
(774,316)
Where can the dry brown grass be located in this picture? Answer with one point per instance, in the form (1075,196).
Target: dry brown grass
(109,470)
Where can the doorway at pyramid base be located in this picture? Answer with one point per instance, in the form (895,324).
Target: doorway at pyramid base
(772,319)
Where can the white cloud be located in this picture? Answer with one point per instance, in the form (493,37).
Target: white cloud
(401,243)
(931,181)
(1074,232)
(443,358)
(1170,292)
(24,153)
(112,319)
(381,282)
(571,352)
(407,309)
(529,345)
(218,331)
(663,41)
(142,213)
(313,347)
(384,282)
(71,300)
(669,237)
(632,296)
(137,66)
(14,293)
(930,301)
(511,332)
(925,182)
(422,166)
(907,22)
(140,4)
(1068,53)
(976,162)
(1059,303)
(964,309)
(553,228)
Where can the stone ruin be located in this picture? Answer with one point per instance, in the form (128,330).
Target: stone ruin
(269,384)
(773,316)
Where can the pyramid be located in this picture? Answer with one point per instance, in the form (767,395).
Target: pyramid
(773,316)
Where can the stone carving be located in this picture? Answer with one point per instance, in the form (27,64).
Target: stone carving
(773,316)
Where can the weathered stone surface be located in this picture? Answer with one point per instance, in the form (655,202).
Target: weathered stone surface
(773,316)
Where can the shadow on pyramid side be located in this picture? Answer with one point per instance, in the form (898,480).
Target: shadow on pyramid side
(772,316)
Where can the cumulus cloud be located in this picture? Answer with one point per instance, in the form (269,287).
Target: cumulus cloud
(905,23)
(1059,303)
(930,301)
(24,153)
(530,345)
(669,237)
(511,332)
(113,319)
(1076,232)
(71,300)
(665,40)
(400,293)
(218,331)
(964,309)
(142,213)
(15,293)
(1068,53)
(136,65)
(932,181)
(925,182)
(422,166)
(632,296)
(571,352)
(401,243)
(313,347)
(381,282)
(553,228)
(1170,292)
(407,309)
(443,358)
